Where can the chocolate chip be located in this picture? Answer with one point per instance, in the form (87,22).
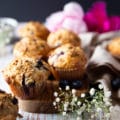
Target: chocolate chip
(14,101)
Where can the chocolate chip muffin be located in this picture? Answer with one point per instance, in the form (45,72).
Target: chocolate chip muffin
(69,61)
(34,28)
(62,36)
(31,47)
(8,106)
(114,47)
(33,82)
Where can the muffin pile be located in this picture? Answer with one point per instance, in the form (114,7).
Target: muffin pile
(42,63)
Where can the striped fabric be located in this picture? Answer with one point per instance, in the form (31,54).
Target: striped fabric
(34,116)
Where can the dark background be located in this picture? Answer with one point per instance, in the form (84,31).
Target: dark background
(24,10)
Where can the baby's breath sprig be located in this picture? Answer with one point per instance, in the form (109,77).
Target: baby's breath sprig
(93,103)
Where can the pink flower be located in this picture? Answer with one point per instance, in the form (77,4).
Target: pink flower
(115,22)
(54,21)
(98,20)
(73,9)
(70,18)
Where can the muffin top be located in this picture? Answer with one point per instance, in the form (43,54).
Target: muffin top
(8,105)
(25,72)
(114,47)
(62,36)
(31,47)
(34,28)
(67,56)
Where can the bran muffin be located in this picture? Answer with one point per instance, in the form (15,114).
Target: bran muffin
(62,36)
(8,106)
(69,61)
(114,47)
(33,83)
(34,28)
(31,47)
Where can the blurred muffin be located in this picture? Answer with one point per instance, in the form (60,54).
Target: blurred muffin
(31,47)
(34,28)
(8,106)
(114,47)
(33,83)
(69,61)
(62,36)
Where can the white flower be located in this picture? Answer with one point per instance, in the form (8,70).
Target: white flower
(108,103)
(65,109)
(92,116)
(54,103)
(60,88)
(66,104)
(64,113)
(79,112)
(73,91)
(75,99)
(92,91)
(100,86)
(111,108)
(82,108)
(78,103)
(107,115)
(99,110)
(72,102)
(107,94)
(55,94)
(57,99)
(67,87)
(78,118)
(82,95)
(105,99)
(94,100)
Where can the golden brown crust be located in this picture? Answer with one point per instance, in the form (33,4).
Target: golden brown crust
(31,47)
(30,79)
(8,107)
(114,47)
(67,57)
(34,28)
(26,76)
(62,36)
(69,61)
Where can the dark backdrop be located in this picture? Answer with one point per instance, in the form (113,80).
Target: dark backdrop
(24,10)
